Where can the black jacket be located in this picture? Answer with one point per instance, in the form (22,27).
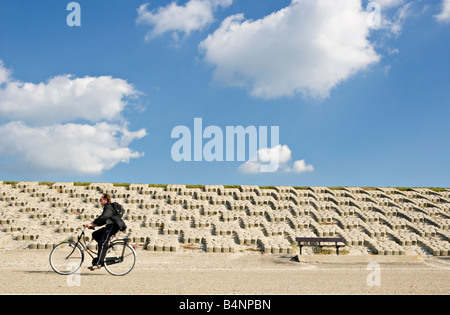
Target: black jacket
(106,217)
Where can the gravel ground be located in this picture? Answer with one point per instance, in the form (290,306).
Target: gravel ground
(26,271)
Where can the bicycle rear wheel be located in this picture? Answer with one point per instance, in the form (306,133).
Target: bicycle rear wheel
(119,260)
(66,258)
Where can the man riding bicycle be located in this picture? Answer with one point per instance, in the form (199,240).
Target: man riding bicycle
(103,235)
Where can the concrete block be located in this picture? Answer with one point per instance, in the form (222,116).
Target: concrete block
(214,188)
(409,218)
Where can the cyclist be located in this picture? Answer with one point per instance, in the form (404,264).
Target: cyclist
(103,235)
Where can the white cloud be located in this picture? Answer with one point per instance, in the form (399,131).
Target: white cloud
(44,134)
(193,16)
(280,153)
(308,47)
(395,24)
(444,16)
(300,167)
(250,167)
(63,98)
(68,148)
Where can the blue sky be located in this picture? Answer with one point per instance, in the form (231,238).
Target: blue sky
(357,103)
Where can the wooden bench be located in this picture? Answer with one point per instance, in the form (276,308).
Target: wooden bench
(318,241)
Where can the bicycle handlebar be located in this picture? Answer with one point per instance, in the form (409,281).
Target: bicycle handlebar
(91,228)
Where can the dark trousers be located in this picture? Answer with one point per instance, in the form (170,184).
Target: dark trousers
(102,237)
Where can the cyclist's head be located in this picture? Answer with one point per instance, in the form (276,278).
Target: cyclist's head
(105,198)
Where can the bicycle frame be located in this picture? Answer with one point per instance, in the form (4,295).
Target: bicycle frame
(82,242)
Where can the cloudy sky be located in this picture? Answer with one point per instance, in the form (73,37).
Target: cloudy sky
(338,92)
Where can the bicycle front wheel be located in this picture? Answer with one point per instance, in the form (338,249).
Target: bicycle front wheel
(120,259)
(66,258)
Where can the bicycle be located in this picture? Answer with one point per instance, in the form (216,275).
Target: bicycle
(67,257)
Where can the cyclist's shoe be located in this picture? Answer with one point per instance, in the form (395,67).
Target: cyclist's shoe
(94,267)
(95,264)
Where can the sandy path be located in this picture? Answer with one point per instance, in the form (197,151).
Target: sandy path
(28,272)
